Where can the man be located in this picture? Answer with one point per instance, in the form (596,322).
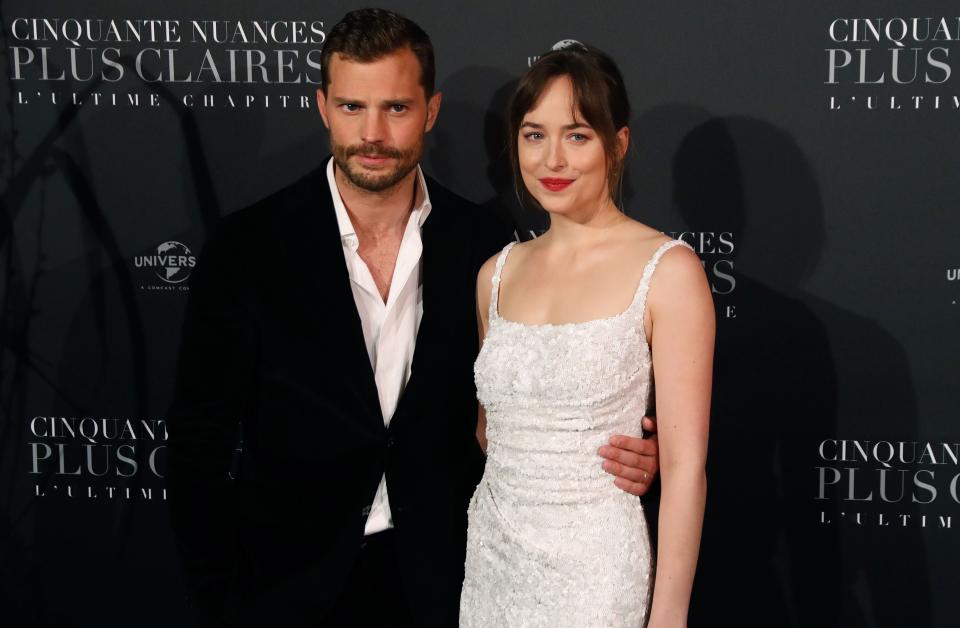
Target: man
(347,356)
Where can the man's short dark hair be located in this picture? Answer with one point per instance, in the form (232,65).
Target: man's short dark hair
(366,35)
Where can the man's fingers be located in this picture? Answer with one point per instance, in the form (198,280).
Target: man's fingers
(642,446)
(627,473)
(627,458)
(634,488)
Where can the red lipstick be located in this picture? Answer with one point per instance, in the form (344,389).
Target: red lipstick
(555,185)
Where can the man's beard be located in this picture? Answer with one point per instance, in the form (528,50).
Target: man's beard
(376,181)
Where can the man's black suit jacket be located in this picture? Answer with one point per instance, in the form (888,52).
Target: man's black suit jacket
(272,339)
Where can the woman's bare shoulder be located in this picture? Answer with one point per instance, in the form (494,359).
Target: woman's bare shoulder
(679,272)
(486,271)
(485,277)
(681,263)
(640,240)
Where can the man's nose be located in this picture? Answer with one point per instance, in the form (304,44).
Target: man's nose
(374,127)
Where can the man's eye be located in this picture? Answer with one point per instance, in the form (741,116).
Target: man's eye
(351,107)
(398,108)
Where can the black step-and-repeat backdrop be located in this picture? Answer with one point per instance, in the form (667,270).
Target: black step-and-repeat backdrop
(808,151)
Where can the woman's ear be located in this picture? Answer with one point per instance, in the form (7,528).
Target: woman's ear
(623,141)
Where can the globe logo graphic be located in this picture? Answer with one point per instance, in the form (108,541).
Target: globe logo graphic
(175,261)
(566,43)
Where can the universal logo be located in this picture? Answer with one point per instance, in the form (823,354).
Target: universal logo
(170,264)
(560,45)
(891,64)
(888,483)
(69,61)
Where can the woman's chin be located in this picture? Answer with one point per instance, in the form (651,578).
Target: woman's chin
(555,206)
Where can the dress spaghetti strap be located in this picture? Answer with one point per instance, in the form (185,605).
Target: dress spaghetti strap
(495,281)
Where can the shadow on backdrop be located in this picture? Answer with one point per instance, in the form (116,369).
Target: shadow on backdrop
(467,134)
(791,370)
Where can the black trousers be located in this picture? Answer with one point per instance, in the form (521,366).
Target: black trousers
(374,595)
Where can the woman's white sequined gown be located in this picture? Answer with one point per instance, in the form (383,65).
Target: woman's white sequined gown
(551,541)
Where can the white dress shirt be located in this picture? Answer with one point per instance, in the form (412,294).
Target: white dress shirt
(389,329)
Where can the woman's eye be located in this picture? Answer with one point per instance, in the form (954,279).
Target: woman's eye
(578,137)
(534,135)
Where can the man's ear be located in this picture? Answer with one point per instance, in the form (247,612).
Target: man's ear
(433,110)
(322,106)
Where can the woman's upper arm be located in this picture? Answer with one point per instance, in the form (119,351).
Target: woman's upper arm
(683,327)
(484,288)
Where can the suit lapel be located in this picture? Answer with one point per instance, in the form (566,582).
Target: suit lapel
(317,250)
(438,275)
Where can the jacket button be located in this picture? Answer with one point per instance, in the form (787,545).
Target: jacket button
(390,441)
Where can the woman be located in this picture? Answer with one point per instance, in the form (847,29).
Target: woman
(574,324)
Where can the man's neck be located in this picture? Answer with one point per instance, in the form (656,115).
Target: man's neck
(377,212)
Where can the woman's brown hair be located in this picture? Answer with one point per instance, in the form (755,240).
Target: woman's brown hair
(599,98)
